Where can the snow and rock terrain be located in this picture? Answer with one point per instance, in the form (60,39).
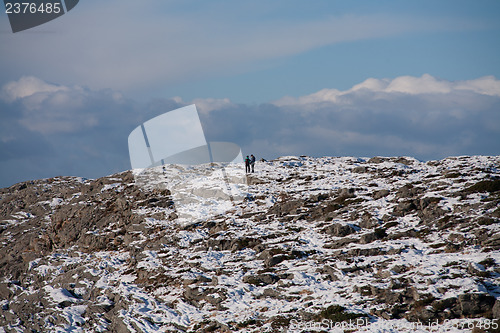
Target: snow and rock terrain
(326,244)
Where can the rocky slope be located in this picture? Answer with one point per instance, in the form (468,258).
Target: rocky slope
(379,245)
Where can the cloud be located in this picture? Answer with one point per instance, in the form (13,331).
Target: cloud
(205,105)
(51,129)
(426,84)
(27,86)
(52,109)
(70,130)
(133,45)
(425,117)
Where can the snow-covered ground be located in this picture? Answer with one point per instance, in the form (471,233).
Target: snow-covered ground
(309,244)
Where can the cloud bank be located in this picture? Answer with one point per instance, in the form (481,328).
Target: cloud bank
(48,129)
(424,117)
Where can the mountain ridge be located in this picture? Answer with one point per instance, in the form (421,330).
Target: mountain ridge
(317,242)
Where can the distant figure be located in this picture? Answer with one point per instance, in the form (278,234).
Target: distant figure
(252,162)
(247,164)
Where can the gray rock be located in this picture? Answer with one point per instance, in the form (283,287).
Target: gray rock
(492,242)
(340,230)
(261,279)
(368,221)
(380,194)
(284,208)
(275,260)
(377,160)
(331,274)
(136,223)
(404,207)
(495,311)
(336,244)
(409,191)
(373,236)
(346,193)
(360,169)
(272,293)
(118,326)
(473,304)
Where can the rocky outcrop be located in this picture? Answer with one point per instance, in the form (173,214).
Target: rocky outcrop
(315,240)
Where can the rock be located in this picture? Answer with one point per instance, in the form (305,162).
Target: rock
(360,169)
(236,244)
(118,326)
(493,242)
(274,260)
(474,304)
(404,160)
(336,244)
(116,250)
(368,221)
(193,295)
(331,274)
(409,191)
(404,207)
(5,292)
(340,230)
(281,209)
(495,311)
(484,186)
(377,160)
(379,233)
(380,194)
(261,279)
(366,252)
(346,193)
(398,269)
(254,180)
(272,293)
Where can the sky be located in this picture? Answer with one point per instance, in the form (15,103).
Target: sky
(286,77)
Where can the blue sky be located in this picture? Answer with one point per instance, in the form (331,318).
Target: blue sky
(461,43)
(72,89)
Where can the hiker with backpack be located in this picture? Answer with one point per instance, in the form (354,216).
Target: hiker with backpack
(247,164)
(252,162)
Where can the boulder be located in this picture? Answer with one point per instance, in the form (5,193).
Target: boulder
(261,279)
(340,230)
(473,304)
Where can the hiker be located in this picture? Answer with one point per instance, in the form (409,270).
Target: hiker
(247,164)
(252,162)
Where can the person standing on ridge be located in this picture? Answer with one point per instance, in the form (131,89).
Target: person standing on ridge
(247,164)
(252,162)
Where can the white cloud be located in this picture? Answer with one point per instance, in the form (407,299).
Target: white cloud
(205,105)
(51,108)
(372,84)
(426,84)
(424,117)
(487,85)
(27,86)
